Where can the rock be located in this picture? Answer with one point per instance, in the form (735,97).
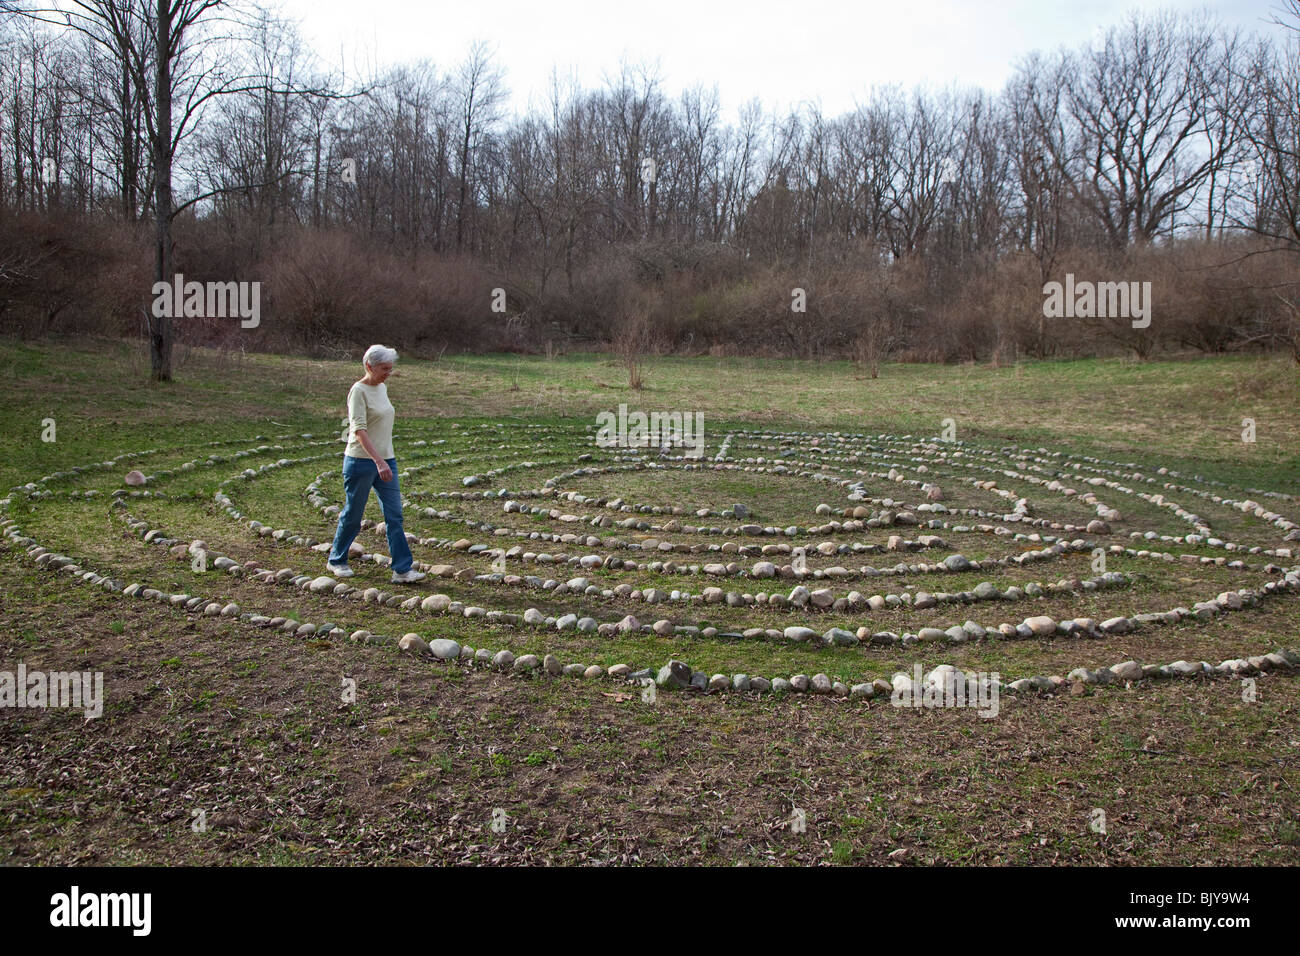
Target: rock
(322,583)
(1128,670)
(135,478)
(779,685)
(675,675)
(1117,625)
(551,664)
(839,637)
(862,690)
(740,511)
(799,634)
(822,597)
(1096,526)
(956,562)
(413,643)
(763,569)
(593,672)
(820,684)
(526,663)
(619,671)
(503,659)
(445,649)
(1041,626)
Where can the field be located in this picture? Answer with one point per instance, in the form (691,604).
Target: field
(266,716)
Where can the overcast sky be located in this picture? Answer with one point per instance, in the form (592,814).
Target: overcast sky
(787,53)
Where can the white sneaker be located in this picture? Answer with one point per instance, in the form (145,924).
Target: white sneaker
(406,577)
(339,570)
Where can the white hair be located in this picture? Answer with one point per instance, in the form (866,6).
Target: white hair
(379,354)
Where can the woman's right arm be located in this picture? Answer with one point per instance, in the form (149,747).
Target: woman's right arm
(385,473)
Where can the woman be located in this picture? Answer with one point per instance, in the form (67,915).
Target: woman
(369,462)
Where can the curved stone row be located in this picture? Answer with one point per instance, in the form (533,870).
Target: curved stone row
(801,598)
(675,674)
(1040,626)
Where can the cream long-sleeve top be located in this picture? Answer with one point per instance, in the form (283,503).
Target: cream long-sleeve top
(369,408)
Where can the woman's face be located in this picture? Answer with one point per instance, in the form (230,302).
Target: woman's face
(380,372)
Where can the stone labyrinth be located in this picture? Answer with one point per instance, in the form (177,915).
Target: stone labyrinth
(776,563)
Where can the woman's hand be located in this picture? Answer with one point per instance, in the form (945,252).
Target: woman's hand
(385,473)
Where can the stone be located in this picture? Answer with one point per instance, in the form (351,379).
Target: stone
(413,643)
(503,659)
(445,649)
(551,664)
(839,637)
(822,597)
(1128,670)
(675,675)
(1041,626)
(526,663)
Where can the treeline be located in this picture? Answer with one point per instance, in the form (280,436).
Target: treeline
(922,225)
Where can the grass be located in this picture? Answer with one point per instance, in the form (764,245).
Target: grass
(250,726)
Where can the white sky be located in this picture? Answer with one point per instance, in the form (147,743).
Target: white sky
(784,53)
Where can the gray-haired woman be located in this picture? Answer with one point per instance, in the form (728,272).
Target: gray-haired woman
(369,462)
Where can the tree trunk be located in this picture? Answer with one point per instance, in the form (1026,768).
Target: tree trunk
(160,329)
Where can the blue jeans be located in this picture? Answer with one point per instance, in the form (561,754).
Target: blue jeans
(359,476)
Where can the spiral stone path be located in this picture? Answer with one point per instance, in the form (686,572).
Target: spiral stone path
(777,562)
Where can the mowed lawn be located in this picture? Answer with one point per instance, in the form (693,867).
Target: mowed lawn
(248,726)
